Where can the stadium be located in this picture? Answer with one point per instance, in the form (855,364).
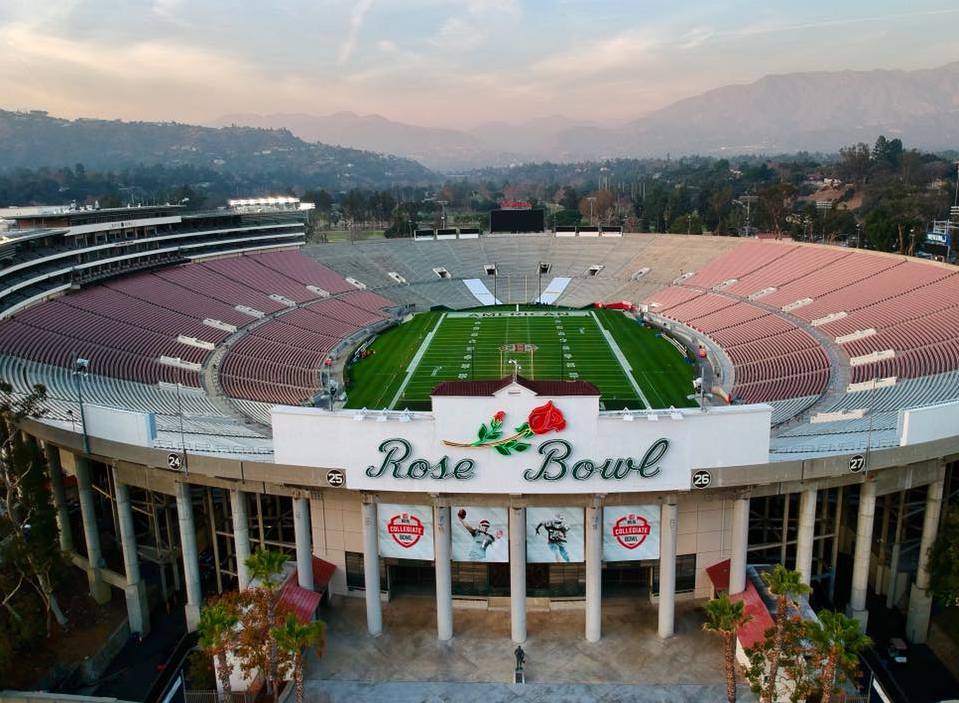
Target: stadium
(541,426)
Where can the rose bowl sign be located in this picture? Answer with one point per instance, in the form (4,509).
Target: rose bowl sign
(515,441)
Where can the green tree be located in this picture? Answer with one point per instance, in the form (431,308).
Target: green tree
(725,617)
(944,560)
(687,224)
(29,548)
(266,567)
(787,586)
(217,629)
(292,638)
(836,640)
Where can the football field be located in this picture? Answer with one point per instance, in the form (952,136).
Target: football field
(630,364)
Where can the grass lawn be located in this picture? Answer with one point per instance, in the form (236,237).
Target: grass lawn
(570,344)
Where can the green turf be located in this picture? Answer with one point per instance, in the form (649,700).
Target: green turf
(375,379)
(568,346)
(661,371)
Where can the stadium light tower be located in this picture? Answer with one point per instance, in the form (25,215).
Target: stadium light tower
(81,367)
(747,201)
(592,200)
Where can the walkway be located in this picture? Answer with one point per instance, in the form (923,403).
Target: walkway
(408,663)
(417,692)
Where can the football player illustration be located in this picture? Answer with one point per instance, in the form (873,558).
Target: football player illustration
(556,530)
(482,537)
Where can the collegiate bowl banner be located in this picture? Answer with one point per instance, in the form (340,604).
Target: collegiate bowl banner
(405,531)
(480,534)
(630,532)
(555,535)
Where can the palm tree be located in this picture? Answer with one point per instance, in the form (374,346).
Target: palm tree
(217,628)
(786,585)
(837,639)
(292,637)
(266,566)
(725,617)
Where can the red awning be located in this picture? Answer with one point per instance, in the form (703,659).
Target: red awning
(759,618)
(304,602)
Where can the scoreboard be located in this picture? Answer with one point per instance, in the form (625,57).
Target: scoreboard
(517,220)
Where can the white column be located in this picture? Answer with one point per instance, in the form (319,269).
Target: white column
(740,541)
(55,469)
(594,572)
(807,531)
(304,542)
(667,567)
(442,551)
(837,534)
(191,567)
(895,553)
(138,609)
(91,532)
(241,536)
(860,566)
(920,599)
(517,573)
(371,570)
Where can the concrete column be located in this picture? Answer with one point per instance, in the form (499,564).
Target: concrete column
(191,567)
(667,567)
(860,566)
(371,570)
(241,536)
(55,469)
(91,532)
(837,533)
(807,531)
(920,599)
(787,501)
(517,573)
(594,572)
(304,542)
(740,541)
(895,552)
(880,584)
(442,554)
(138,607)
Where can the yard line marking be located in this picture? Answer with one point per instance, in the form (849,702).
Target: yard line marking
(415,361)
(621,358)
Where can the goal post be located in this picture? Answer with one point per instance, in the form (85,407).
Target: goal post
(517,358)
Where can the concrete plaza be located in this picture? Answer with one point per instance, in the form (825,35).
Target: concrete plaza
(407,663)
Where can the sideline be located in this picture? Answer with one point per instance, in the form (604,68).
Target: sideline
(621,358)
(415,361)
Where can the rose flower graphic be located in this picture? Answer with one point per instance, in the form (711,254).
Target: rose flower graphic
(542,419)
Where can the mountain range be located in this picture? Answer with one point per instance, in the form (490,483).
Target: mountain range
(817,111)
(35,139)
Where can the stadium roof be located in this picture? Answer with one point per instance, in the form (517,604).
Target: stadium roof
(485,388)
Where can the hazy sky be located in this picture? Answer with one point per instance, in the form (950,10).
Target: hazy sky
(438,62)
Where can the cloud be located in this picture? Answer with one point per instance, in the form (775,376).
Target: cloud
(626,50)
(166,8)
(468,29)
(357,17)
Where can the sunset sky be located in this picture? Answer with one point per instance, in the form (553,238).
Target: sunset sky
(449,63)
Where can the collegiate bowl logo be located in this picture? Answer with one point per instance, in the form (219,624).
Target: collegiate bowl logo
(631,530)
(542,419)
(405,529)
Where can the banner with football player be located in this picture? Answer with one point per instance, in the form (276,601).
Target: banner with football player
(480,533)
(405,531)
(630,532)
(555,535)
